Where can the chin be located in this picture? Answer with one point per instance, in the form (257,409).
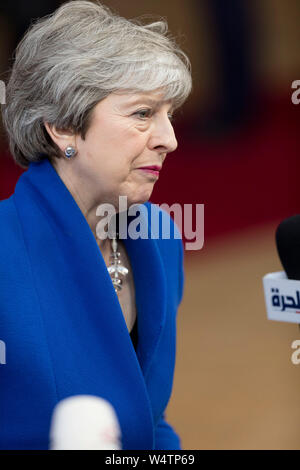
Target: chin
(144,198)
(138,201)
(140,198)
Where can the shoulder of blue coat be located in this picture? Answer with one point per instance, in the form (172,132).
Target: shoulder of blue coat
(8,214)
(10,231)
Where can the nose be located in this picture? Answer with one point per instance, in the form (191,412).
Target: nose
(163,135)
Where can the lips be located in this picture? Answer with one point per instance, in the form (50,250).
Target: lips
(154,168)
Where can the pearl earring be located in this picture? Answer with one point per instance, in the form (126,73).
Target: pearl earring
(70,152)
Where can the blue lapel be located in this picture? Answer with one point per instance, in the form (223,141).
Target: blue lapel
(150,287)
(89,343)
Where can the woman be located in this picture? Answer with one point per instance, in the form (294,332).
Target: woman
(89,104)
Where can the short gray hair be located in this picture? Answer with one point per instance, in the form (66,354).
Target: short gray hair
(70,60)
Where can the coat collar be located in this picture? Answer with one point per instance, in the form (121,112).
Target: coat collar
(63,233)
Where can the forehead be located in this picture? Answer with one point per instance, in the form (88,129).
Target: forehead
(155,98)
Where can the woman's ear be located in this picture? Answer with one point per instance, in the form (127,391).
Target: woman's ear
(61,137)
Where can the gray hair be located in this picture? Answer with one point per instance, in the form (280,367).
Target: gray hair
(70,60)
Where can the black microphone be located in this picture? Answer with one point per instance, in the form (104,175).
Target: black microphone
(288,246)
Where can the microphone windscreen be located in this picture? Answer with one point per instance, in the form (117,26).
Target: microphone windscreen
(84,422)
(288,246)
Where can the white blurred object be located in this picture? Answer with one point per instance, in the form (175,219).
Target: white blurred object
(84,422)
(282,297)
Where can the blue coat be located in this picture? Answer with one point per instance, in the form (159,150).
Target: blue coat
(62,325)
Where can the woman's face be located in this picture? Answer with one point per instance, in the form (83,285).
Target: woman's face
(127,132)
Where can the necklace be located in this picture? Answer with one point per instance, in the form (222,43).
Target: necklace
(116,269)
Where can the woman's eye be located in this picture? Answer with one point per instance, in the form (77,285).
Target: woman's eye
(143,113)
(146,113)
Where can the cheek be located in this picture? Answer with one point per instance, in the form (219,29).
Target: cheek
(127,153)
(113,149)
(135,143)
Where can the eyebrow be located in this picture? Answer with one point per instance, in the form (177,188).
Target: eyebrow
(149,101)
